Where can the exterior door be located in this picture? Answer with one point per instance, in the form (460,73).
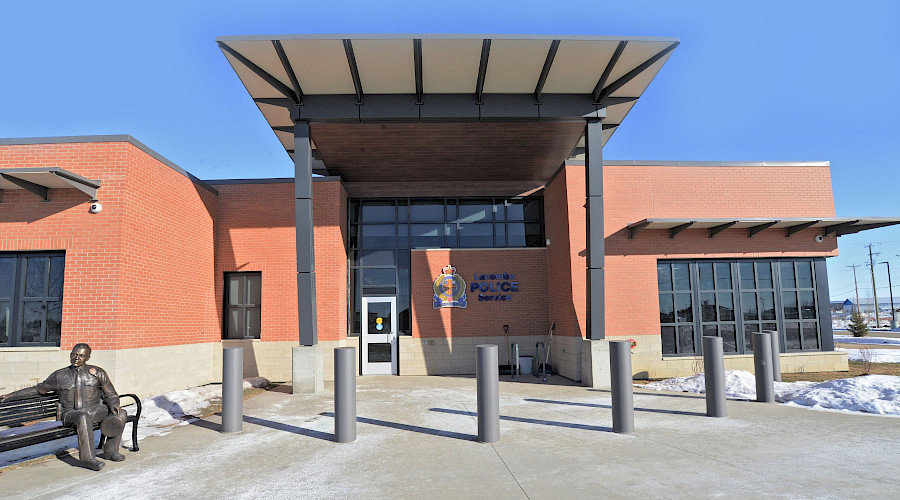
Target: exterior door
(379,336)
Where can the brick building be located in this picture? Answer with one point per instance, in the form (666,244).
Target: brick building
(425,167)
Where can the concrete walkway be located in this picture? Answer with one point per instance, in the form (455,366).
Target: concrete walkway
(416,440)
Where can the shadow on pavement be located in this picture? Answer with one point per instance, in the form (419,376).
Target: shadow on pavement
(289,428)
(658,394)
(278,426)
(593,405)
(411,428)
(567,425)
(208,425)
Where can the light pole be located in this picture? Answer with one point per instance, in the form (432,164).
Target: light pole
(891,291)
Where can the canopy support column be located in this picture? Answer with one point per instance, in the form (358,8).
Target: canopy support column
(593,177)
(306,261)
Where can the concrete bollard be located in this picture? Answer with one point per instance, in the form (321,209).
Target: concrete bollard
(762,363)
(514,368)
(345,394)
(622,386)
(776,355)
(232,389)
(714,369)
(487,373)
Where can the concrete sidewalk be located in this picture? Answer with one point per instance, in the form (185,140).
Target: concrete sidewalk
(416,440)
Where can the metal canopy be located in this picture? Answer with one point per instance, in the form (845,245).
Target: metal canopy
(40,180)
(838,226)
(427,79)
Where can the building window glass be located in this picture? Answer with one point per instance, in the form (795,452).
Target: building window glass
(31,291)
(383,231)
(733,299)
(243,295)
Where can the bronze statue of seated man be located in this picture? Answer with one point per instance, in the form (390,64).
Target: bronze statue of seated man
(87,397)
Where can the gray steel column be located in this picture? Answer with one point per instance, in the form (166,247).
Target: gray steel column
(487,373)
(714,369)
(593,178)
(306,261)
(776,354)
(824,296)
(232,389)
(345,394)
(622,386)
(762,364)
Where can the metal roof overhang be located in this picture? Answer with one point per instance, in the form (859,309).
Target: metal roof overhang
(839,226)
(40,180)
(479,107)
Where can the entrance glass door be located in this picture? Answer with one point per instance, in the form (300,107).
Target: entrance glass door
(379,336)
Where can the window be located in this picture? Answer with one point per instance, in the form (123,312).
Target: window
(31,290)
(382,232)
(243,294)
(733,299)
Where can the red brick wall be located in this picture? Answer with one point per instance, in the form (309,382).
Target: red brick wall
(526,313)
(256,232)
(168,258)
(566,260)
(635,193)
(121,288)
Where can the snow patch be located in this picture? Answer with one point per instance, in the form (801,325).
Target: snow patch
(878,394)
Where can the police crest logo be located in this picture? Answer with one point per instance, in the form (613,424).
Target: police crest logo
(449,289)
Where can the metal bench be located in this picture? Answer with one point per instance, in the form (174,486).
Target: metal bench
(21,412)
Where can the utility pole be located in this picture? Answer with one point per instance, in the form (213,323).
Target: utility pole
(855,285)
(874,290)
(891,290)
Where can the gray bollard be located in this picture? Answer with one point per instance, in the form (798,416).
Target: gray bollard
(762,363)
(514,369)
(232,389)
(622,386)
(714,369)
(345,394)
(487,373)
(776,355)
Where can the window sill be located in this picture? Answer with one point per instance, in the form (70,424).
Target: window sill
(30,349)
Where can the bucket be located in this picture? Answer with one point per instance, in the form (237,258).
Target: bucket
(525,363)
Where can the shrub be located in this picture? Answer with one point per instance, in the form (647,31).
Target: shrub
(858,326)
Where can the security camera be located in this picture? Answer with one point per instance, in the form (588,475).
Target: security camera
(819,238)
(96,207)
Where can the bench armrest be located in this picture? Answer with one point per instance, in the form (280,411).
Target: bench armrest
(137,402)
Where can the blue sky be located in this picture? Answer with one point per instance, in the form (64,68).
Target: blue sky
(751,81)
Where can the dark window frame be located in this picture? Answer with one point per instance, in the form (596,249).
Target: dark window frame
(532,208)
(242,305)
(743,326)
(18,299)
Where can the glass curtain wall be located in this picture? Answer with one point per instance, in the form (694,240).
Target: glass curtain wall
(383,231)
(733,299)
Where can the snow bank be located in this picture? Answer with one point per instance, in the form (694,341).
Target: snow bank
(868,394)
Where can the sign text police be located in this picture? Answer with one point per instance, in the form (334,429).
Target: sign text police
(494,287)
